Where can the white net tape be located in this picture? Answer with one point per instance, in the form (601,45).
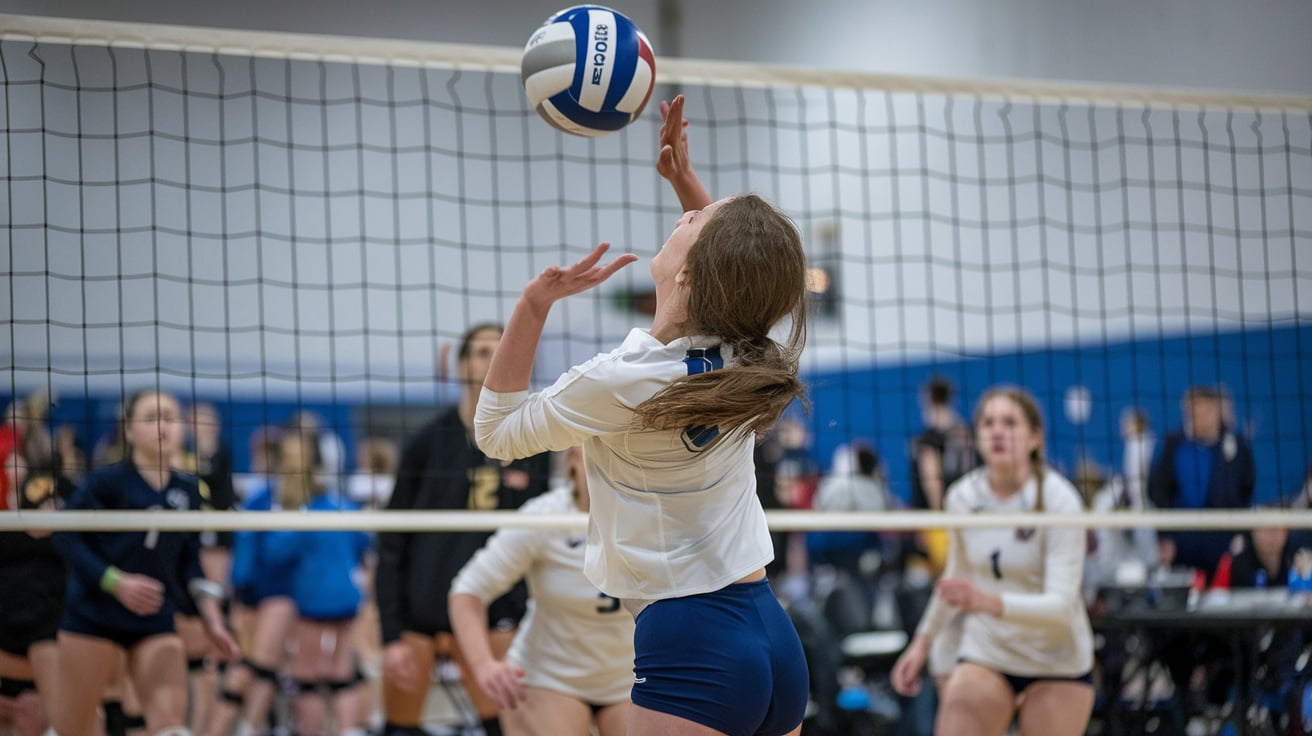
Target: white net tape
(447,521)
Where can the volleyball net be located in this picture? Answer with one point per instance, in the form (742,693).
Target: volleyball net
(278,223)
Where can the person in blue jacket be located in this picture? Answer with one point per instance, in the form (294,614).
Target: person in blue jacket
(124,588)
(326,567)
(265,612)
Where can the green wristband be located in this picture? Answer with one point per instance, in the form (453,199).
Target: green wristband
(109,581)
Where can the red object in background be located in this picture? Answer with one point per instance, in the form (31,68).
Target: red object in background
(9,440)
(1221,578)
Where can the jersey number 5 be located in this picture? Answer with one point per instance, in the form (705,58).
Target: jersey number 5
(608,604)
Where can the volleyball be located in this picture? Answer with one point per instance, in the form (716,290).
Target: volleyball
(588,70)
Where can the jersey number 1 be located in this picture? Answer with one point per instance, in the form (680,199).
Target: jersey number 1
(993,562)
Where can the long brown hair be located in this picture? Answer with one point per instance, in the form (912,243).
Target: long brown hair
(745,273)
(1030,409)
(295,482)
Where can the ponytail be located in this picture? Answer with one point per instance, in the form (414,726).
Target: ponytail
(745,274)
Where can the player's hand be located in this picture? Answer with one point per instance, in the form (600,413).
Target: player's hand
(400,668)
(905,676)
(957,592)
(226,646)
(556,282)
(673,160)
(502,682)
(962,593)
(139,594)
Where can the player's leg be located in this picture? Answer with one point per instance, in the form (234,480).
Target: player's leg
(86,664)
(274,619)
(647,722)
(157,669)
(341,679)
(306,671)
(235,678)
(20,706)
(976,702)
(1056,708)
(119,704)
(613,720)
(546,712)
(403,705)
(202,679)
(43,659)
(500,641)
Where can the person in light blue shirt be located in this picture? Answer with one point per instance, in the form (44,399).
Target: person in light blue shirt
(326,574)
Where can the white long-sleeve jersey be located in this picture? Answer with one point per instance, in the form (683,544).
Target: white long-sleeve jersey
(674,513)
(573,639)
(1044,629)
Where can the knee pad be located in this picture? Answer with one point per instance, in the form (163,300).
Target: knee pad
(174,731)
(306,687)
(336,686)
(262,673)
(229,696)
(11,688)
(195,664)
(115,720)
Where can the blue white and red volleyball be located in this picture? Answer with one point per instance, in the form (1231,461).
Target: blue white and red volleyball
(588,70)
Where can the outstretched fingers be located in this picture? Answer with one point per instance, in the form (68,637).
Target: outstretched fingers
(672,159)
(556,282)
(589,263)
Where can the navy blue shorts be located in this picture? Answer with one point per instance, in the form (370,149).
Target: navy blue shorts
(76,623)
(1020,682)
(729,660)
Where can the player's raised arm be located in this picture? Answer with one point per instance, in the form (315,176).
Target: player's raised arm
(512,365)
(673,162)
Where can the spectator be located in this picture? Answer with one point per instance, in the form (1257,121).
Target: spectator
(944,451)
(1110,549)
(859,487)
(1137,458)
(1206,465)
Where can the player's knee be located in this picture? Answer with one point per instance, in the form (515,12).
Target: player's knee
(260,672)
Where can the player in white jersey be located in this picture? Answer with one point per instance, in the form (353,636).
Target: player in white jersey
(571,662)
(1026,648)
(667,422)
